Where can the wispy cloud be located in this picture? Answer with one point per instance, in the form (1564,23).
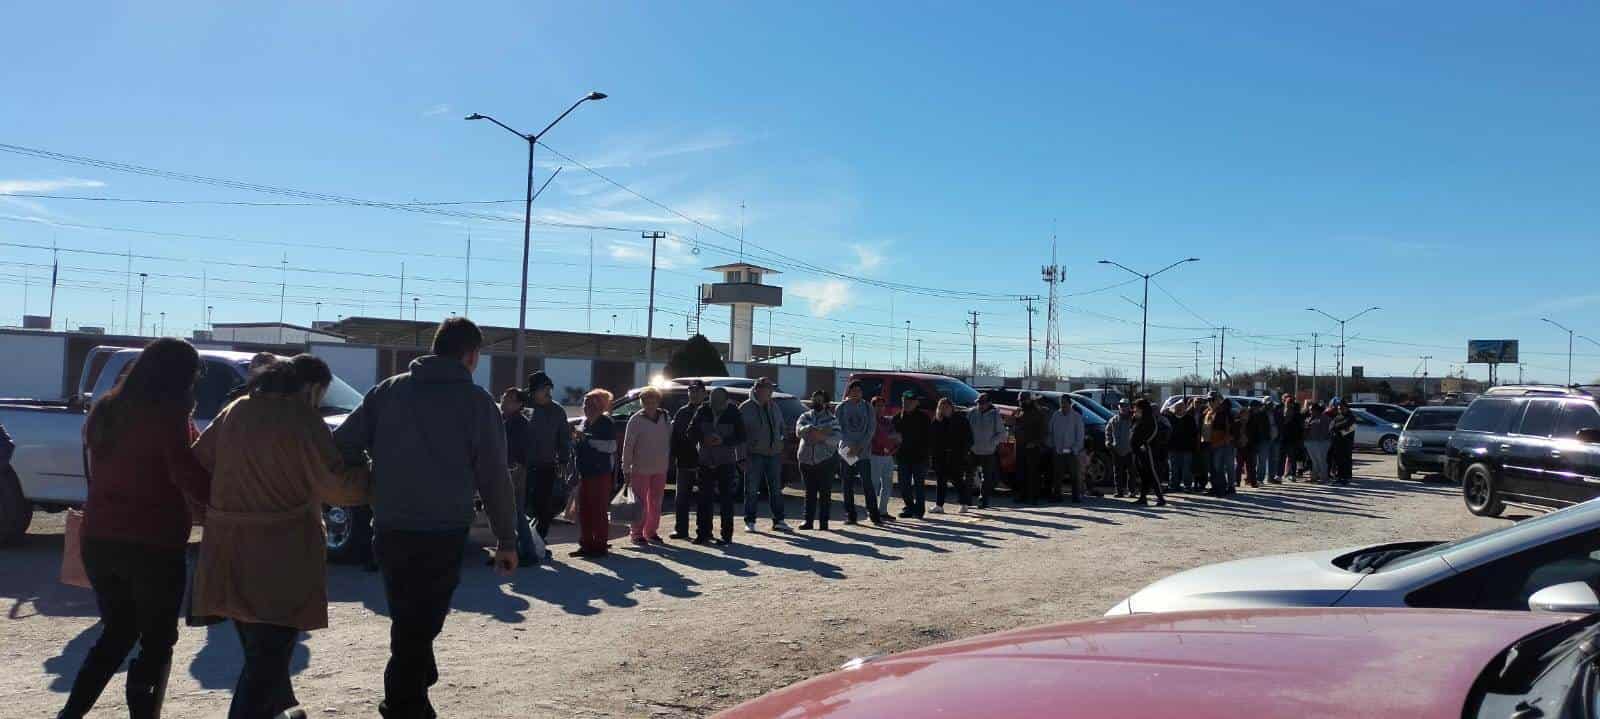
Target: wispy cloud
(868,257)
(671,253)
(8,188)
(643,151)
(436,110)
(824,297)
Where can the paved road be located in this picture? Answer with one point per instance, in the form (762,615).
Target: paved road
(685,630)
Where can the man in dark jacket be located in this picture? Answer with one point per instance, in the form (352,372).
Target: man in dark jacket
(1292,429)
(950,438)
(549,451)
(1031,425)
(511,403)
(911,459)
(1181,447)
(685,459)
(719,429)
(434,438)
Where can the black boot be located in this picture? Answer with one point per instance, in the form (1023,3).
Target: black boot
(147,689)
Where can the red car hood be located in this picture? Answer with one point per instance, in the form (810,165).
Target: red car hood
(1266,663)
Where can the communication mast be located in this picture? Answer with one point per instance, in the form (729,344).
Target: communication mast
(1053,275)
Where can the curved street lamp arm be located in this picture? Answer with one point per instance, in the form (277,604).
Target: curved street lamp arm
(1589,340)
(478,116)
(1183,261)
(559,118)
(1125,267)
(1324,314)
(1563,327)
(1358,314)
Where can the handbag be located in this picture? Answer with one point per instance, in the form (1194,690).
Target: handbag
(72,570)
(625,506)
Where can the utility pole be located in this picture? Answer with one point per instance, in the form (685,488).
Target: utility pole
(908,342)
(588,303)
(1314,346)
(852,344)
(1339,380)
(1031,312)
(283,294)
(1296,369)
(1570,333)
(142,277)
(1197,358)
(650,321)
(402,291)
(1425,359)
(1222,353)
(840,363)
(466,299)
(919,353)
(1144,307)
(974,325)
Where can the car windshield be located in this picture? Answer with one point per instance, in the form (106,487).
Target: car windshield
(959,393)
(340,399)
(1512,535)
(1426,419)
(1092,407)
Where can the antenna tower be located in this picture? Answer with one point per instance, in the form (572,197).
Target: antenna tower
(1053,275)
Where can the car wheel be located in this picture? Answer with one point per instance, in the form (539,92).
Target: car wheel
(349,534)
(16,512)
(1098,472)
(1479,491)
(1400,471)
(1389,444)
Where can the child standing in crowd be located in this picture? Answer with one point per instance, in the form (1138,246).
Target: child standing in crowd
(596,441)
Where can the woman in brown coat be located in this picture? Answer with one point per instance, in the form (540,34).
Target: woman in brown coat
(263,561)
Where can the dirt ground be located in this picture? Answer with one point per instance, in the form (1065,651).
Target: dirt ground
(686,630)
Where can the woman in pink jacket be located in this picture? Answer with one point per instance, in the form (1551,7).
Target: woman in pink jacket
(645,446)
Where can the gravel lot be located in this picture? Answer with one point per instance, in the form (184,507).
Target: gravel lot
(686,630)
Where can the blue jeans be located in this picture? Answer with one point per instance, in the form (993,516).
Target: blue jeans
(912,477)
(848,474)
(519,490)
(765,470)
(1180,465)
(1223,469)
(1267,465)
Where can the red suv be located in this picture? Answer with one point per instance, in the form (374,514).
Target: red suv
(930,388)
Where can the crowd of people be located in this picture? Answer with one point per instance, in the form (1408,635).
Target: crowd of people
(427,446)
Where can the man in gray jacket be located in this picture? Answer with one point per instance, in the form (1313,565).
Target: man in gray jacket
(549,450)
(1066,442)
(1119,439)
(857,424)
(434,438)
(988,431)
(763,426)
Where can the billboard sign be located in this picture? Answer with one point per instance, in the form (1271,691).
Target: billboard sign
(1492,352)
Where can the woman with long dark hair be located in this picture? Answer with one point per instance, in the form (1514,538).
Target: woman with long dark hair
(142,478)
(263,562)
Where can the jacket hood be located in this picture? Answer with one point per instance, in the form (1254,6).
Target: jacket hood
(433,369)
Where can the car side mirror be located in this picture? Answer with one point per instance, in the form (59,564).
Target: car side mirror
(1590,435)
(1569,598)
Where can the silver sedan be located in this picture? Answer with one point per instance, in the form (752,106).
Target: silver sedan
(1499,569)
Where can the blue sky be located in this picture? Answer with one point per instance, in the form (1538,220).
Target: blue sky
(1437,159)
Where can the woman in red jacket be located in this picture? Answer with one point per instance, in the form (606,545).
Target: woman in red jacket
(143,475)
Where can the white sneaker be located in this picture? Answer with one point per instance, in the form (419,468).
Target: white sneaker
(750,527)
(937,509)
(780,526)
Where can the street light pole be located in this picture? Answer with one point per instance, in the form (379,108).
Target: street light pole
(1338,382)
(1570,335)
(142,277)
(650,321)
(1144,323)
(527,221)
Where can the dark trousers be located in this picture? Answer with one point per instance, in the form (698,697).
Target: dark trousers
(594,503)
(715,483)
(1122,473)
(542,496)
(848,474)
(987,465)
(1341,457)
(1291,451)
(1145,467)
(1030,466)
(139,589)
(1064,469)
(954,473)
(683,498)
(912,491)
(1247,464)
(818,479)
(420,574)
(263,690)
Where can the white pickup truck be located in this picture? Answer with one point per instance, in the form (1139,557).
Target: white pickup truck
(47,471)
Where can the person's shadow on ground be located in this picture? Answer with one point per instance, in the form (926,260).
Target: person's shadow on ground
(217,664)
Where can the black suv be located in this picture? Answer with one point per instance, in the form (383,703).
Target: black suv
(1525,444)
